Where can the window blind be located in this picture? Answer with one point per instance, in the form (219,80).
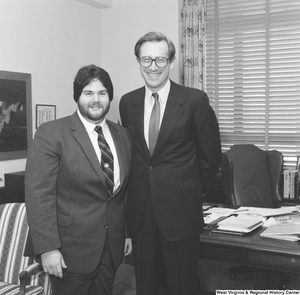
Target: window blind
(253,73)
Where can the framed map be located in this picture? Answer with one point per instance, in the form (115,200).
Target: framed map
(15,115)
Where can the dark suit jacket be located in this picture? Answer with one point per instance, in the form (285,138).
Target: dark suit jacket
(186,158)
(67,202)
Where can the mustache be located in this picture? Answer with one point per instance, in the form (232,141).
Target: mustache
(95,104)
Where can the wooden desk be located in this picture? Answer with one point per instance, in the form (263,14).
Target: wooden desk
(268,259)
(252,250)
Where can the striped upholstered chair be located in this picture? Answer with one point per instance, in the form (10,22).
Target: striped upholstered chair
(13,233)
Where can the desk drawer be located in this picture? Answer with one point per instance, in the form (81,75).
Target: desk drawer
(276,261)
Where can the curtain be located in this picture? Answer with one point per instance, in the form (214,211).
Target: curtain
(193,18)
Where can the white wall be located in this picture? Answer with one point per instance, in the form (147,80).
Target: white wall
(52,39)
(122,26)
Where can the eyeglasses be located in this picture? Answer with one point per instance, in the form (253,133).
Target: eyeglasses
(147,61)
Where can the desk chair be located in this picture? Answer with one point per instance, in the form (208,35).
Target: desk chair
(15,269)
(252,177)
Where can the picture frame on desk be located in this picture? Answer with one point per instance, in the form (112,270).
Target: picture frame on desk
(15,115)
(44,113)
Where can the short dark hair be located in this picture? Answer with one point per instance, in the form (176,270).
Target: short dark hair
(155,37)
(88,73)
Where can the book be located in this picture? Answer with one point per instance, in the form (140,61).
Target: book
(286,184)
(239,224)
(288,232)
(293,184)
(290,184)
(297,185)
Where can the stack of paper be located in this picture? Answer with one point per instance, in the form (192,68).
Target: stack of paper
(289,232)
(283,219)
(220,211)
(240,224)
(267,211)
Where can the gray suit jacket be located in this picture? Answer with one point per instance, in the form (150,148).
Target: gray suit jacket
(67,202)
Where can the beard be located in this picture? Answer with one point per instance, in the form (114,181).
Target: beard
(94,115)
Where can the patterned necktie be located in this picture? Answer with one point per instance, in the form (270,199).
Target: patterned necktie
(154,123)
(107,160)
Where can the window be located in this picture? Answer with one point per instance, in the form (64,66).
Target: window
(253,73)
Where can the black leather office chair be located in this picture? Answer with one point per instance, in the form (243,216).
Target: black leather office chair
(252,177)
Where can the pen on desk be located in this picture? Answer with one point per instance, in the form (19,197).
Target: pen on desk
(242,210)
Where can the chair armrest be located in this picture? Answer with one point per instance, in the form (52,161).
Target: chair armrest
(30,270)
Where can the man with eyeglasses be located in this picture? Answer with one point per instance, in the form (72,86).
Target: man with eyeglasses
(176,154)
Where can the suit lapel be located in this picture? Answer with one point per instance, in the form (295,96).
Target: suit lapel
(172,114)
(80,134)
(138,104)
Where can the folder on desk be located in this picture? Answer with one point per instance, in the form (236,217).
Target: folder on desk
(239,224)
(213,218)
(288,232)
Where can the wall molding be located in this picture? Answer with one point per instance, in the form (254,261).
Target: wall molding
(98,3)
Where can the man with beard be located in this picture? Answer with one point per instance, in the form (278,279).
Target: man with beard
(75,187)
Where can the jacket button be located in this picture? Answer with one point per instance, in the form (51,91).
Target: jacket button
(151,167)
(106,227)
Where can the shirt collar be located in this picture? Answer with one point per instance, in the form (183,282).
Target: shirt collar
(91,126)
(163,92)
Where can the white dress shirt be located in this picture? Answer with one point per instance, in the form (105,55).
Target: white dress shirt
(90,128)
(149,102)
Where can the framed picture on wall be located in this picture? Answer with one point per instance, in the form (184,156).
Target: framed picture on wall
(45,113)
(15,115)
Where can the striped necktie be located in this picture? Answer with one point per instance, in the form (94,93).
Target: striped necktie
(154,123)
(107,160)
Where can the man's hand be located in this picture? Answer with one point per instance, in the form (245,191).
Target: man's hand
(128,247)
(53,263)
